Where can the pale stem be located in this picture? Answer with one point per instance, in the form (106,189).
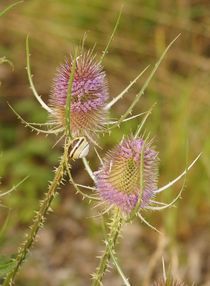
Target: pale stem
(14,187)
(88,169)
(179,177)
(119,96)
(112,237)
(28,68)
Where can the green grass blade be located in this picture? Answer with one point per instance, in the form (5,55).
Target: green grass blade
(9,8)
(3,227)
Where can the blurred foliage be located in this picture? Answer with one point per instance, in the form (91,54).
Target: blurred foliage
(181,88)
(5,265)
(29,157)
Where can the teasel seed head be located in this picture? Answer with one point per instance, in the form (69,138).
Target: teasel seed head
(129,173)
(88,95)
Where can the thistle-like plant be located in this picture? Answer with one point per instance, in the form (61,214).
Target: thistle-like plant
(77,109)
(78,112)
(126,183)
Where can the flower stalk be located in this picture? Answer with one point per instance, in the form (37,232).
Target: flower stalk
(115,228)
(39,219)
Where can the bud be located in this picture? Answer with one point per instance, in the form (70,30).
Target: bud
(88,96)
(129,173)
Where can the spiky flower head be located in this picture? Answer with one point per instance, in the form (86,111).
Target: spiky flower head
(88,95)
(129,173)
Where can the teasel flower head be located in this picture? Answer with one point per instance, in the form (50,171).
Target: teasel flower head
(89,93)
(129,174)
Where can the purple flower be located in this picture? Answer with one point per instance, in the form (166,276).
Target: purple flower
(89,95)
(124,178)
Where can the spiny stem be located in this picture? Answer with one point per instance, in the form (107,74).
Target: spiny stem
(14,187)
(115,228)
(38,222)
(141,92)
(112,35)
(5,60)
(28,68)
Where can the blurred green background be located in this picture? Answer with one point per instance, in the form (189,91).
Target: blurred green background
(180,124)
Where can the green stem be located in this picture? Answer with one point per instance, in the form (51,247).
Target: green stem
(113,235)
(38,222)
